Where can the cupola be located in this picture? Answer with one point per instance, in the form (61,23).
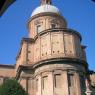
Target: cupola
(45,17)
(45,7)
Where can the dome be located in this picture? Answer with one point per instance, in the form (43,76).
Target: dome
(45,8)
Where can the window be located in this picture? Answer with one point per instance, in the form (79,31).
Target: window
(38,28)
(82,81)
(45,82)
(57,80)
(53,25)
(71,84)
(70,80)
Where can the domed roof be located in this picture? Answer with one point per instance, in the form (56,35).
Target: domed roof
(44,9)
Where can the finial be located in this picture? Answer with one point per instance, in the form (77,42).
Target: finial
(44,2)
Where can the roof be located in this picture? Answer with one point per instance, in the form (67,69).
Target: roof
(45,8)
(7,66)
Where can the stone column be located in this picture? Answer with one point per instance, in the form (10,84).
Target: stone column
(30,88)
(50,84)
(23,83)
(39,85)
(65,83)
(33,87)
(77,84)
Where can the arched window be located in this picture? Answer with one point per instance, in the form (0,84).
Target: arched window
(53,25)
(38,25)
(45,82)
(38,28)
(57,80)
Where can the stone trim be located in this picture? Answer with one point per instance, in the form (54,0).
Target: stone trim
(59,70)
(7,66)
(46,14)
(63,30)
(32,40)
(50,61)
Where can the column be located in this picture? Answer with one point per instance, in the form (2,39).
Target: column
(39,85)
(77,84)
(47,83)
(30,86)
(50,83)
(65,83)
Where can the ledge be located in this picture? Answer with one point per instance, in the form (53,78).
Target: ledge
(60,60)
(33,66)
(57,30)
(7,66)
(47,14)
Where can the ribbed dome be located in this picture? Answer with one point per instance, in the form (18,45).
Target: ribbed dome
(44,9)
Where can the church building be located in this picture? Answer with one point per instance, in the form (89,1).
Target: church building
(52,60)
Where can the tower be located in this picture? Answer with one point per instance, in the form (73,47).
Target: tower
(52,60)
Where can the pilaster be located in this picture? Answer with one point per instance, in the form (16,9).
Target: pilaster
(51,83)
(65,83)
(77,84)
(39,86)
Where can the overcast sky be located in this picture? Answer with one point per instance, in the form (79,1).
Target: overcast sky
(80,15)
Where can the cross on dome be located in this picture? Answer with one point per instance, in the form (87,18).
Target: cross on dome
(46,7)
(44,2)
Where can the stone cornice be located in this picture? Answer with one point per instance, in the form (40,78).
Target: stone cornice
(57,30)
(7,66)
(46,14)
(61,60)
(51,61)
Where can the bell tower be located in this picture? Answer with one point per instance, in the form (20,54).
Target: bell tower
(43,2)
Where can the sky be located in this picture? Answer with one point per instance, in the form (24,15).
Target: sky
(80,16)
